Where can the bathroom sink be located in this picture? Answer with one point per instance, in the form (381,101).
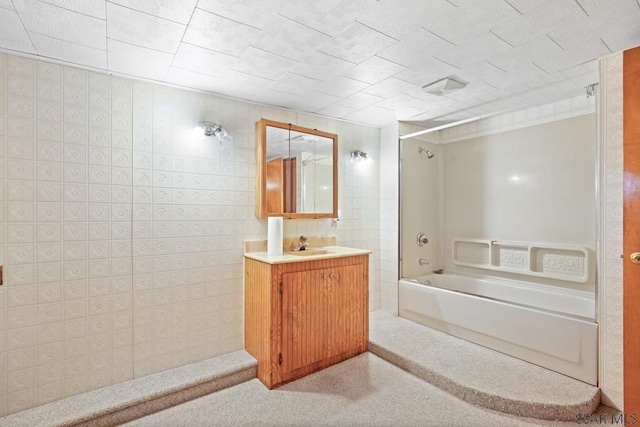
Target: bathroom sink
(309,252)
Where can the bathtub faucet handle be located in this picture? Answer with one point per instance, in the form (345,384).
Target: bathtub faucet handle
(421,239)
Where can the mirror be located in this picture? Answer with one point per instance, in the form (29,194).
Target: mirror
(296,175)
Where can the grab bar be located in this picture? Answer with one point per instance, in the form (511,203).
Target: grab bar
(510,244)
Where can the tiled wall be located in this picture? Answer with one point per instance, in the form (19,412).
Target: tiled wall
(563,109)
(611,232)
(121,233)
(389,152)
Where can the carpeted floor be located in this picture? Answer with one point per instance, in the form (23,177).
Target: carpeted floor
(365,390)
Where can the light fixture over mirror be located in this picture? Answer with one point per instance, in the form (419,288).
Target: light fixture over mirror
(214,129)
(358,155)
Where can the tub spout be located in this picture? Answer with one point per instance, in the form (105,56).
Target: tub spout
(424,261)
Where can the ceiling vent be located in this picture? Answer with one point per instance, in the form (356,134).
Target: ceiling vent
(444,86)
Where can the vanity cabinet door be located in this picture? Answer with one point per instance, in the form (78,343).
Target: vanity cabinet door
(303,319)
(346,311)
(324,316)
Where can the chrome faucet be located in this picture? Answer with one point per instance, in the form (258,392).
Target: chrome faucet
(302,244)
(424,261)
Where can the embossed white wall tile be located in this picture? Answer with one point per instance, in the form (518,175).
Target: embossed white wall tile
(48,151)
(610,277)
(50,232)
(19,297)
(21,254)
(49,272)
(75,367)
(49,313)
(136,227)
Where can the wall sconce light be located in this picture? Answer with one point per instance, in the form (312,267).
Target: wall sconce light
(357,155)
(214,129)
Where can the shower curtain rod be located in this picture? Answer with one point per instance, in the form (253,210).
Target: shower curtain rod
(448,125)
(485,116)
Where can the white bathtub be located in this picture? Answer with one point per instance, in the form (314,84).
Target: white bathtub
(545,325)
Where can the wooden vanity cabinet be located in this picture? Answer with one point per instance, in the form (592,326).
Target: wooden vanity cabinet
(302,317)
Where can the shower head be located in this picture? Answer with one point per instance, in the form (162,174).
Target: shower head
(427,152)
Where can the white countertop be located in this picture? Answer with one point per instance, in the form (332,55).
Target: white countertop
(332,252)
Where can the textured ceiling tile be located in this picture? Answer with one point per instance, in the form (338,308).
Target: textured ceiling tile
(374,116)
(398,101)
(525,6)
(471,19)
(295,84)
(508,103)
(73,53)
(192,79)
(177,11)
(415,48)
(479,71)
(264,64)
(534,83)
(17,46)
(359,100)
(329,16)
(203,60)
(93,8)
(428,100)
(475,93)
(341,87)
(515,88)
(389,87)
(256,13)
(322,66)
(526,72)
(400,19)
(474,50)
(357,43)
(554,77)
(588,67)
(556,91)
(6,4)
(289,39)
(406,112)
(374,69)
(539,21)
(529,52)
(336,110)
(577,34)
(12,29)
(622,38)
(138,61)
(242,85)
(559,62)
(427,72)
(610,9)
(53,21)
(220,34)
(314,101)
(585,79)
(140,29)
(307,102)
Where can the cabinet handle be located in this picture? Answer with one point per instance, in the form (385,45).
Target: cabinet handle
(333,276)
(325,276)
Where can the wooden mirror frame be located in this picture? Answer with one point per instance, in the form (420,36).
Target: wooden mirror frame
(261,171)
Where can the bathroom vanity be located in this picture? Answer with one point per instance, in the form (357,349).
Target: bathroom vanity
(305,311)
